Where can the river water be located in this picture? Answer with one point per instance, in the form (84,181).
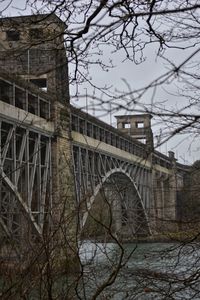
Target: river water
(140,271)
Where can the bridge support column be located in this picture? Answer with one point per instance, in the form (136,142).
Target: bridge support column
(160,203)
(170,207)
(171,189)
(164,204)
(154,213)
(63,228)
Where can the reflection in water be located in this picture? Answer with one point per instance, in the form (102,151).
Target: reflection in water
(148,271)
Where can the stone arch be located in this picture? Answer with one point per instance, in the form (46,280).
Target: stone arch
(124,201)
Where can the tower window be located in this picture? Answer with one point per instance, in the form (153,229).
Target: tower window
(139,124)
(12,35)
(126,125)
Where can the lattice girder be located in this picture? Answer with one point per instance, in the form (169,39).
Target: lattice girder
(25,178)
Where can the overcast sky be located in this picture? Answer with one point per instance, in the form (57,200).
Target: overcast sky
(185,148)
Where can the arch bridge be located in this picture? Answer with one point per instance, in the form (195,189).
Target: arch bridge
(117,180)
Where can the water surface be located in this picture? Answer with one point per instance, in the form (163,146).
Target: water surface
(146,271)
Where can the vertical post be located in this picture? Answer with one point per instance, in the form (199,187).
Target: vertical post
(154,202)
(162,208)
(13,100)
(14,157)
(26,99)
(33,170)
(171,214)
(86,158)
(27,159)
(39,180)
(28,64)
(44,183)
(79,177)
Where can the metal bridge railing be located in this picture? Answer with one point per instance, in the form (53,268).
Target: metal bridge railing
(24,98)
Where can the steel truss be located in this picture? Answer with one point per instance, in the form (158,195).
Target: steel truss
(133,182)
(25,181)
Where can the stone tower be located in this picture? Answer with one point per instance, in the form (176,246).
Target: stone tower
(137,126)
(32,47)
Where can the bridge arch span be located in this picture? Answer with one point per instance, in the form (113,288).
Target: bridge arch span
(121,194)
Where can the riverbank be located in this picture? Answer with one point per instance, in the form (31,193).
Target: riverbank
(166,237)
